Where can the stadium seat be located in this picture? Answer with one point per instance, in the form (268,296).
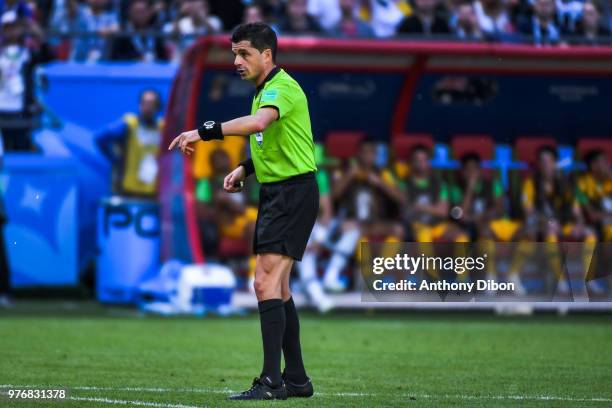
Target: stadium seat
(482,145)
(343,144)
(404,143)
(585,145)
(526,147)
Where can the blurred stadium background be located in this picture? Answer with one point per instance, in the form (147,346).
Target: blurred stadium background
(435,120)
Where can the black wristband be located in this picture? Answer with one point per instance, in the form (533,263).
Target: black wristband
(249,167)
(210,130)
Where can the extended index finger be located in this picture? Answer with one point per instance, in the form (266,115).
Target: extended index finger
(174,142)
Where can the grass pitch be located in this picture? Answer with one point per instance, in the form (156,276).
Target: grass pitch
(111,357)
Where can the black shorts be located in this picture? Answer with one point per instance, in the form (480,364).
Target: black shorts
(287,212)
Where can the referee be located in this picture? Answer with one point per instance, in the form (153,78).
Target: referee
(282,158)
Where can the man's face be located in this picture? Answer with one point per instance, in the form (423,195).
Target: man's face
(465,16)
(425,5)
(249,62)
(544,9)
(296,8)
(139,14)
(470,169)
(98,4)
(347,4)
(12,33)
(547,164)
(149,105)
(590,15)
(367,155)
(601,166)
(420,162)
(252,14)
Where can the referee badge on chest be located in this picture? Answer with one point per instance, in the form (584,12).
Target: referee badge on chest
(259,138)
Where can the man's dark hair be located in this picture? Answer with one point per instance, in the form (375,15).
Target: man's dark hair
(470,157)
(548,149)
(367,139)
(154,92)
(592,156)
(421,148)
(260,35)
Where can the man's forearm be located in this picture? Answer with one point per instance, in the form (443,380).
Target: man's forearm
(249,167)
(243,126)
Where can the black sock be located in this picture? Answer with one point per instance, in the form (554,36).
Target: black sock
(272,318)
(294,366)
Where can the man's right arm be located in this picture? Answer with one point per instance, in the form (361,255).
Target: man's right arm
(111,134)
(249,167)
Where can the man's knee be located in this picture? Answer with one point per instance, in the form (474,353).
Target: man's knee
(268,275)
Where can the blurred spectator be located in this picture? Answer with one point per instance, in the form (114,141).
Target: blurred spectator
(231,215)
(297,20)
(101,23)
(139,42)
(451,9)
(478,208)
(590,28)
(493,18)
(225,207)
(568,12)
(192,21)
(424,20)
(427,208)
(70,21)
(320,236)
(252,14)
(467,27)
(18,107)
(428,202)
(367,199)
(595,193)
(542,27)
(327,13)
(132,146)
(22,8)
(551,212)
(350,25)
(476,199)
(385,15)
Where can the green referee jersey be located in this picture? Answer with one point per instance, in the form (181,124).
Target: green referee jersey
(285,148)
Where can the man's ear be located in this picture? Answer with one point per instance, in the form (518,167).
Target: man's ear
(268,54)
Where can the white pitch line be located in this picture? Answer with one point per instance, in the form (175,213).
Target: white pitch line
(325,394)
(156,389)
(130,402)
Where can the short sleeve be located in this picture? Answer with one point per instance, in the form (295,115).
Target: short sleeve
(528,193)
(323,182)
(581,194)
(388,178)
(444,194)
(456,195)
(203,191)
(498,189)
(279,97)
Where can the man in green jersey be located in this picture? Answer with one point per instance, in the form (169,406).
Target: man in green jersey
(282,158)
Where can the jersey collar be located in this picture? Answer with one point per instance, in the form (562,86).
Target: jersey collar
(274,71)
